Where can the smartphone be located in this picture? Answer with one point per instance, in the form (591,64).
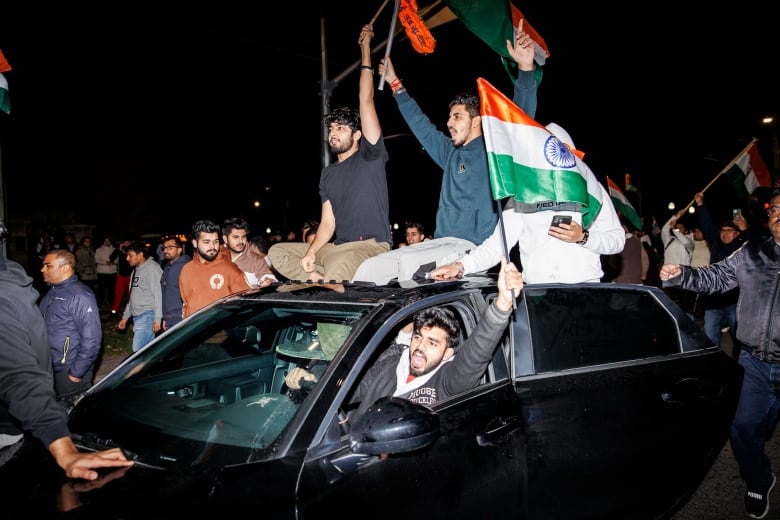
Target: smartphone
(557,220)
(735,213)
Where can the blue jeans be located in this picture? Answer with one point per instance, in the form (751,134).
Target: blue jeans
(716,319)
(142,330)
(755,419)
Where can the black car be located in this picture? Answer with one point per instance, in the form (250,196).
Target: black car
(601,401)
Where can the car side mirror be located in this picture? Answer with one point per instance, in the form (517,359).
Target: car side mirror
(393,425)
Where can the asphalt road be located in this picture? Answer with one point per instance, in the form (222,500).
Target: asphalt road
(720,495)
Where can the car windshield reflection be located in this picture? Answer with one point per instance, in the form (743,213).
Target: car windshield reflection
(214,392)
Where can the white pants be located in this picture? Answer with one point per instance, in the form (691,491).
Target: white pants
(403,262)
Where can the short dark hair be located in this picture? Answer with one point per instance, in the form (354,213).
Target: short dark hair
(344,116)
(204,226)
(175,238)
(235,223)
(260,243)
(140,248)
(413,224)
(442,318)
(469,100)
(310,227)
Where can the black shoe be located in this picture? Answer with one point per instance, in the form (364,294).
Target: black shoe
(757,504)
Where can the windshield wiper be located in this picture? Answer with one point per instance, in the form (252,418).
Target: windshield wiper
(93,442)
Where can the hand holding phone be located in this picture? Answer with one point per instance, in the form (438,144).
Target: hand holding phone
(736,212)
(557,220)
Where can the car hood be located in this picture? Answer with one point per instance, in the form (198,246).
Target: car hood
(33,483)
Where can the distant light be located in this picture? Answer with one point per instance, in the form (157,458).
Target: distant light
(767,120)
(691,210)
(396,226)
(268,231)
(671,206)
(257,203)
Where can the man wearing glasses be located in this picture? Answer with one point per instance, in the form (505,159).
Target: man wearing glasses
(174,259)
(754,268)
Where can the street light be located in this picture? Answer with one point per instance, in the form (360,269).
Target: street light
(771,122)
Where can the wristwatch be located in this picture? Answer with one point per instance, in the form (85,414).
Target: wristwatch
(584,238)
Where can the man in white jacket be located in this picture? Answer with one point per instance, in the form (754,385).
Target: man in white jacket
(567,253)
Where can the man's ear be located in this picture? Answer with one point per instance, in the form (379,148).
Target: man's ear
(448,353)
(476,122)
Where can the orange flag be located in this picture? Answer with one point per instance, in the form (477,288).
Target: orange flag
(421,38)
(4,66)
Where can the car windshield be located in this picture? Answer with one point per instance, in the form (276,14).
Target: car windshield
(213,390)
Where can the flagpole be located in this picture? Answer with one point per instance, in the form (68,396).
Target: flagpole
(504,243)
(725,169)
(390,41)
(381,8)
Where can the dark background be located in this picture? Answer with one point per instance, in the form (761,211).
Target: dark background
(142,117)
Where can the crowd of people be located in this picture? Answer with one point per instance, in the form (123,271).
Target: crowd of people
(725,272)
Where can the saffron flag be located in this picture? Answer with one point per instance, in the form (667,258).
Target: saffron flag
(748,172)
(493,22)
(526,161)
(622,205)
(416,30)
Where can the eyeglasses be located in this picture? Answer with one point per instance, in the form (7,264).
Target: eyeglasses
(773,211)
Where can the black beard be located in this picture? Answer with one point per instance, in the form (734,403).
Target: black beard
(206,257)
(339,148)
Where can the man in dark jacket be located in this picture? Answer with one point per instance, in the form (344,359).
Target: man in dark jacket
(72,319)
(27,400)
(720,310)
(174,259)
(434,366)
(755,269)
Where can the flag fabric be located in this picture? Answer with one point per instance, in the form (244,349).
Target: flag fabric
(416,30)
(4,66)
(622,205)
(526,161)
(748,172)
(493,22)
(5,100)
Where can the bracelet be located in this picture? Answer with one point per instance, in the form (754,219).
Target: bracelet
(396,86)
(369,68)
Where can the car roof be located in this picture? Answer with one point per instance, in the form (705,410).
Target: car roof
(365,292)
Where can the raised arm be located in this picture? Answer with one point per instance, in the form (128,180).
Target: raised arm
(369,120)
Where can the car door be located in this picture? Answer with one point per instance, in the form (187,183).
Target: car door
(620,421)
(474,468)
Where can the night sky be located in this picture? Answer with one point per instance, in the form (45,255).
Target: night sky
(143,118)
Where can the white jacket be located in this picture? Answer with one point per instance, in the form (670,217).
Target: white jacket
(547,259)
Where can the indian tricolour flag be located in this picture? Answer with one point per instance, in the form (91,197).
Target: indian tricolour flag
(748,171)
(622,205)
(527,162)
(5,100)
(493,22)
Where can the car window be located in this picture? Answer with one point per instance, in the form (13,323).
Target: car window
(579,327)
(218,386)
(390,347)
